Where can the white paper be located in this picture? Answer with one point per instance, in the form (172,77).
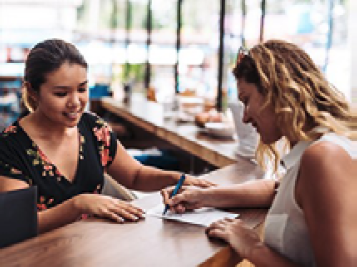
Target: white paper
(204,216)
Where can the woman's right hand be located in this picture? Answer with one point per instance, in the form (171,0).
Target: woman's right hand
(188,198)
(107,207)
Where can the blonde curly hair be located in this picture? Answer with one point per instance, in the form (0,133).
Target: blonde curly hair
(297,90)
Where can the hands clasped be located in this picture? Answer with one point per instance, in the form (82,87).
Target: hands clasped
(108,207)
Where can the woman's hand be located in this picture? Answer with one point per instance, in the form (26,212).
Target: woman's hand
(107,207)
(239,236)
(191,180)
(188,198)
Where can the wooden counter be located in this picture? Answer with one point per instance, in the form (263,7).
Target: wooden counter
(151,242)
(150,117)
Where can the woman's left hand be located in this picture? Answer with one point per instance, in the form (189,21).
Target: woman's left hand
(190,180)
(239,236)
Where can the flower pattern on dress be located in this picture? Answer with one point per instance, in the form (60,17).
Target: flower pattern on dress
(15,171)
(105,157)
(48,168)
(39,158)
(102,132)
(10,130)
(43,203)
(98,189)
(82,141)
(36,169)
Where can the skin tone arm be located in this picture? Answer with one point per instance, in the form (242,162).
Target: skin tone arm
(70,210)
(133,175)
(326,193)
(258,193)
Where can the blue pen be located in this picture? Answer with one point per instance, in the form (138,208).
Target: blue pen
(177,188)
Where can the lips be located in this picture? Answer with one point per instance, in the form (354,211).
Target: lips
(72,115)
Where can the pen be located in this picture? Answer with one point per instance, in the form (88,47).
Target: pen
(177,188)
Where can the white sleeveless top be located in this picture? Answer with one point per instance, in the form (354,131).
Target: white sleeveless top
(285,227)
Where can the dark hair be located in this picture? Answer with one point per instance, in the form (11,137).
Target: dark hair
(44,58)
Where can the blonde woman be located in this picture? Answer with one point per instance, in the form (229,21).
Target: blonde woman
(312,219)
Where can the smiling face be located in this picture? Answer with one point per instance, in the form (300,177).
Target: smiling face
(263,120)
(63,97)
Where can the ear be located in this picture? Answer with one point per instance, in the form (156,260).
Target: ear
(30,91)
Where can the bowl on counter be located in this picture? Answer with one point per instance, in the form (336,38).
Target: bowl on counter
(220,129)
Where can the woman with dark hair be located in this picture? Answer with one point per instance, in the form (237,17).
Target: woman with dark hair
(312,219)
(65,151)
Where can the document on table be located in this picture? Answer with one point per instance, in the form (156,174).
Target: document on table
(204,216)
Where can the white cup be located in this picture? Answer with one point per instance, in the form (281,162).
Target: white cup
(248,138)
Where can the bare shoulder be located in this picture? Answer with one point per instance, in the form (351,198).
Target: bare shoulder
(325,153)
(326,193)
(326,163)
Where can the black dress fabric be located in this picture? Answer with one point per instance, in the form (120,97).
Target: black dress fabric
(22,159)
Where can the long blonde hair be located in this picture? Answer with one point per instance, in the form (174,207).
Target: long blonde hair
(297,90)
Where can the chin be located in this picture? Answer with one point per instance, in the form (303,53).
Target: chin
(73,125)
(268,140)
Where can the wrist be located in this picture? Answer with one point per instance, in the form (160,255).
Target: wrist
(207,197)
(258,253)
(177,177)
(216,197)
(76,204)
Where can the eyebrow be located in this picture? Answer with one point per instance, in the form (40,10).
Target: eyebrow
(69,87)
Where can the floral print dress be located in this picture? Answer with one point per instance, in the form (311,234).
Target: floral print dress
(22,159)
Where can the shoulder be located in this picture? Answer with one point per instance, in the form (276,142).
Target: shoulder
(93,120)
(9,131)
(97,127)
(89,117)
(8,135)
(324,152)
(325,166)
(11,145)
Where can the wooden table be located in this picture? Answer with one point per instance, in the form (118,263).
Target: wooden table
(151,242)
(150,117)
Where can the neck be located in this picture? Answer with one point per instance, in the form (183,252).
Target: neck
(306,129)
(46,128)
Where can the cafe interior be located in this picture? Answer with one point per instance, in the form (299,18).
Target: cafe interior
(160,74)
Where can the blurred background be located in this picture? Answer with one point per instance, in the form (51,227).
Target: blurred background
(163,48)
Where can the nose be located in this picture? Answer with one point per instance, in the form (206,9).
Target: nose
(74,100)
(246,117)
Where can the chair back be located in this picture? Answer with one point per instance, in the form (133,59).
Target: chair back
(18,215)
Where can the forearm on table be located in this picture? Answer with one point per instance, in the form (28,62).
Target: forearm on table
(58,216)
(258,193)
(151,179)
(263,256)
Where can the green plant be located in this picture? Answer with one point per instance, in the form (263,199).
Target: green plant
(133,73)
